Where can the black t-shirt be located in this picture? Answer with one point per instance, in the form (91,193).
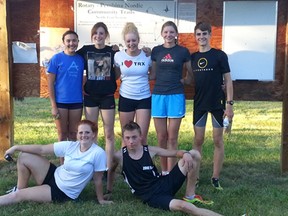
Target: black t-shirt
(141,175)
(208,69)
(99,66)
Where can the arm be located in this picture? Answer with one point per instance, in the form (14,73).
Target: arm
(152,71)
(229,94)
(117,159)
(117,72)
(51,81)
(97,179)
(189,73)
(34,149)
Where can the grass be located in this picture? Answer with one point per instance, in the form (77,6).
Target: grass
(251,175)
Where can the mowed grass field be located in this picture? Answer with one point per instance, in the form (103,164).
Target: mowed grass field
(251,176)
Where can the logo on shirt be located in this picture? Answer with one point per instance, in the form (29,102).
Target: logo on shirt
(128,63)
(167,58)
(147,167)
(202,62)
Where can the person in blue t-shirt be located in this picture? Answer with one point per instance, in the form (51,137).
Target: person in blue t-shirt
(65,78)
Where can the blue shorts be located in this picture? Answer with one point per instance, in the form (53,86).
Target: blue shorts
(168,106)
(167,188)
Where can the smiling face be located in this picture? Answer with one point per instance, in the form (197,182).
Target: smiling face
(203,38)
(85,135)
(169,35)
(131,41)
(99,37)
(70,42)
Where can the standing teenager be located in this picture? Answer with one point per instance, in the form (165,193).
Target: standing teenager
(65,77)
(133,66)
(211,69)
(168,99)
(100,85)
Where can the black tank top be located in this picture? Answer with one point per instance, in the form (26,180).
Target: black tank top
(141,175)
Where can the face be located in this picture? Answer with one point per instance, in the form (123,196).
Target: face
(132,139)
(202,37)
(85,134)
(169,34)
(99,37)
(131,42)
(71,43)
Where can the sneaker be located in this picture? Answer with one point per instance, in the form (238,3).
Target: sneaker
(12,190)
(198,200)
(216,184)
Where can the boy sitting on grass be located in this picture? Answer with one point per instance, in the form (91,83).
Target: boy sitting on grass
(146,183)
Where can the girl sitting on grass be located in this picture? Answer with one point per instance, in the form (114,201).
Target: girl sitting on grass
(84,160)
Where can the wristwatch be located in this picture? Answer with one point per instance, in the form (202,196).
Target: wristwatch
(231,102)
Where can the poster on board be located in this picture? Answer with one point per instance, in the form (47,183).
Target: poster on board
(148,16)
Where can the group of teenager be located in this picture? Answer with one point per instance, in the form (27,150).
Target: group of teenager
(88,77)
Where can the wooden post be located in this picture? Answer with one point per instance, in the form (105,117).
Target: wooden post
(284,142)
(6,103)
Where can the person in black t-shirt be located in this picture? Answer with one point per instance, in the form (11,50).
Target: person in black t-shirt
(210,70)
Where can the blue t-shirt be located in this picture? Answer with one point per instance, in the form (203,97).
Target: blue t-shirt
(69,77)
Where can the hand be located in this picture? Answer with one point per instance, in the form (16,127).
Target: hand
(55,113)
(188,160)
(147,51)
(115,47)
(105,202)
(10,151)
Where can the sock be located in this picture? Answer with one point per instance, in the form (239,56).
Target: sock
(190,197)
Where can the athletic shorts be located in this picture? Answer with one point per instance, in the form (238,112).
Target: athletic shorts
(103,102)
(69,106)
(56,194)
(168,186)
(200,118)
(168,106)
(130,105)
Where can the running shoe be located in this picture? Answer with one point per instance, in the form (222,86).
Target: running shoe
(216,184)
(198,200)
(12,190)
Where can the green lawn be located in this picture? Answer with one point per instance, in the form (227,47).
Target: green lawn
(251,175)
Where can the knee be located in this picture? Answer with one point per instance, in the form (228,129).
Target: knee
(23,156)
(196,155)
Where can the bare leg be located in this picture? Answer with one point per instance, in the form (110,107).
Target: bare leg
(189,208)
(199,134)
(143,119)
(218,151)
(29,165)
(162,136)
(108,117)
(74,118)
(92,114)
(172,142)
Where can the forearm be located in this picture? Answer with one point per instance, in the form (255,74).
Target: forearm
(34,149)
(99,190)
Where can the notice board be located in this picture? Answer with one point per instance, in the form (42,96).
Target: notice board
(249,39)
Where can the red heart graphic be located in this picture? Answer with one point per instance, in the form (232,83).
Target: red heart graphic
(128,63)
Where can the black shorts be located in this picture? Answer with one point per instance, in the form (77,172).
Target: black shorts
(69,106)
(200,118)
(103,102)
(167,188)
(56,194)
(130,105)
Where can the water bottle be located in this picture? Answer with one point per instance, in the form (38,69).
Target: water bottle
(227,125)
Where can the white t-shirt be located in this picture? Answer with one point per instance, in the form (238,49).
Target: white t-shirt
(134,75)
(78,167)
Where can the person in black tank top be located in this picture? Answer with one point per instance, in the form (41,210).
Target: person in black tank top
(148,185)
